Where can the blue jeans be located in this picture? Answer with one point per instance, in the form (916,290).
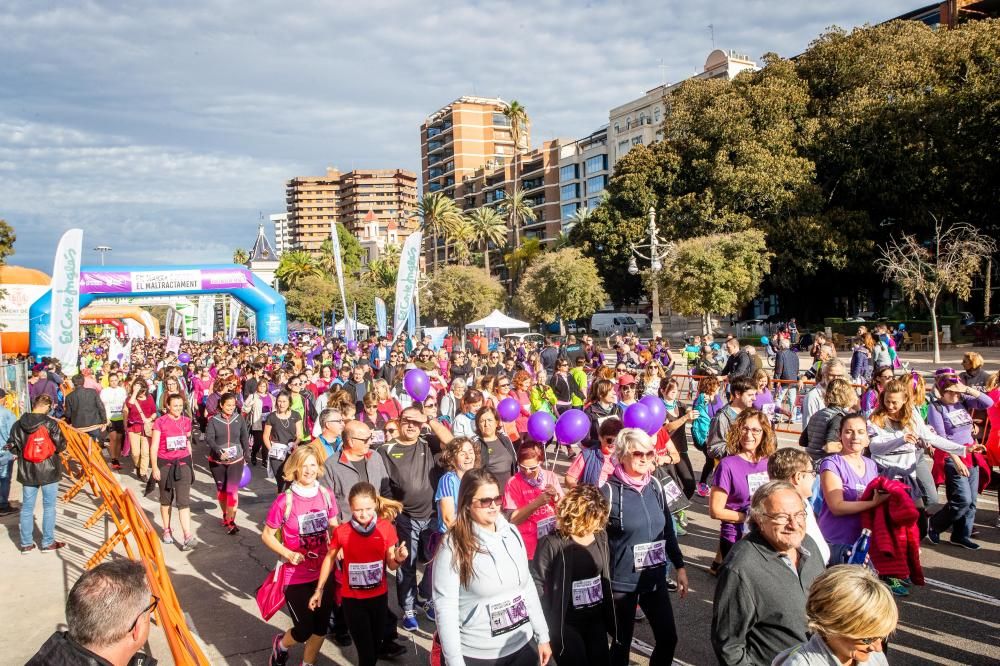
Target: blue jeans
(6,470)
(416,532)
(28,496)
(960,512)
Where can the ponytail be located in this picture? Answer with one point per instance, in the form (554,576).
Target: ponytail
(386,508)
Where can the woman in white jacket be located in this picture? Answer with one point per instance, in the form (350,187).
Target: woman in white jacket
(487,605)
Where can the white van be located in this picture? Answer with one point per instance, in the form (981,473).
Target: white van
(642,322)
(605,324)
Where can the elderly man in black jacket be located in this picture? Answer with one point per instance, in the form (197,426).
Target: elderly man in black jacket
(760,599)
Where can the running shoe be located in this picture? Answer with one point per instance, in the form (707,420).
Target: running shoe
(671,585)
(682,518)
(231,528)
(56,545)
(933,535)
(115,464)
(167,537)
(279,655)
(703,490)
(966,543)
(391,650)
(679,528)
(26,549)
(410,621)
(8,511)
(639,615)
(428,608)
(188,543)
(897,587)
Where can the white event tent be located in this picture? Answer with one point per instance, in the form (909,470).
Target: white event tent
(497,319)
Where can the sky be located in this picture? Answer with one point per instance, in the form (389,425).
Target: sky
(167,129)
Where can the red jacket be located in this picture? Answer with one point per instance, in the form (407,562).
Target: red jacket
(895,544)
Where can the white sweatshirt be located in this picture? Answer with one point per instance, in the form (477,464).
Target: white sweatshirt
(889,449)
(466,615)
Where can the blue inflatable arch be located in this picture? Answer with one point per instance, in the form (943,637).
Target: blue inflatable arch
(123,281)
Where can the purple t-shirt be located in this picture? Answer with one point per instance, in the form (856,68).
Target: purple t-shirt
(764,402)
(739,478)
(845,529)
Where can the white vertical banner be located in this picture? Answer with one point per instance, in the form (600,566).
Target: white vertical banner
(406,281)
(234,316)
(381,317)
(206,318)
(338,264)
(65,325)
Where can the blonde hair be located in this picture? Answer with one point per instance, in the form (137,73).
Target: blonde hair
(850,601)
(630,439)
(298,458)
(840,393)
(974,360)
(381,389)
(582,510)
(881,415)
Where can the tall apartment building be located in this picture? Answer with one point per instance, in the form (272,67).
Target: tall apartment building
(364,201)
(282,236)
(583,174)
(640,121)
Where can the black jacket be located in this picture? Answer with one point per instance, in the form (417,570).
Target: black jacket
(739,365)
(85,408)
(40,473)
(61,650)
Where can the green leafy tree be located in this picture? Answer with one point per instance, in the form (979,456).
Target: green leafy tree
(488,227)
(718,273)
(382,271)
(240,256)
(310,296)
(946,264)
(438,213)
(7,238)
(295,266)
(462,294)
(462,236)
(350,253)
(560,285)
(521,257)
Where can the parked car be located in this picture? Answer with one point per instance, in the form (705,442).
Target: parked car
(967,318)
(526,337)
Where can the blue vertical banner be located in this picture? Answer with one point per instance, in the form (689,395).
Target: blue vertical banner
(381,318)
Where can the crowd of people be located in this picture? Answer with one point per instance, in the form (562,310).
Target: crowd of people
(515,561)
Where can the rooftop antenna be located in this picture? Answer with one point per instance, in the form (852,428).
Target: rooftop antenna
(711,31)
(663,70)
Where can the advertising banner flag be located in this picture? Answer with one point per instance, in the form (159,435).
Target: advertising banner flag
(381,317)
(234,316)
(65,324)
(338,264)
(406,281)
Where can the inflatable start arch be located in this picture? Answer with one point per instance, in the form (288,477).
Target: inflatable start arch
(116,281)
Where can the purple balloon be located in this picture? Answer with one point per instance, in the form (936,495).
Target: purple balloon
(352,345)
(184,357)
(246,478)
(637,416)
(572,427)
(541,425)
(417,384)
(508,409)
(657,412)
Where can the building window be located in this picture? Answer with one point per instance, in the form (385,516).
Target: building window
(568,172)
(596,163)
(571,191)
(593,202)
(596,184)
(656,114)
(623,147)
(501,120)
(637,141)
(568,210)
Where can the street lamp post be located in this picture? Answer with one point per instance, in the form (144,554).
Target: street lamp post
(102,249)
(659,250)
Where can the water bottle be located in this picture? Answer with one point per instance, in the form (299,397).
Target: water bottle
(859,551)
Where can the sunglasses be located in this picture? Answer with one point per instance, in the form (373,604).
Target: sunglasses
(644,455)
(504,385)
(148,609)
(529,469)
(869,641)
(487,502)
(391,431)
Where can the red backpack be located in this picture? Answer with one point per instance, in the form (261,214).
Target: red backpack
(39,446)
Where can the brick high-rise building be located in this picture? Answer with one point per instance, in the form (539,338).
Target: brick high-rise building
(377,206)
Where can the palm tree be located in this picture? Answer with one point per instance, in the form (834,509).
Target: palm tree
(382,271)
(518,117)
(438,213)
(462,234)
(581,215)
(240,256)
(488,226)
(517,210)
(521,257)
(295,266)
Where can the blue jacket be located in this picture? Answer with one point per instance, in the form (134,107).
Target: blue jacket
(638,518)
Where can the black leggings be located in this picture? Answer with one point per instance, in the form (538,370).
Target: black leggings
(278,469)
(258,446)
(707,470)
(366,622)
(526,656)
(578,645)
(656,605)
(307,622)
(685,472)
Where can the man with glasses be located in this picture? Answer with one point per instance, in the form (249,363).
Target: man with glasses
(815,400)
(108,616)
(390,369)
(493,365)
(760,599)
(411,461)
(331,422)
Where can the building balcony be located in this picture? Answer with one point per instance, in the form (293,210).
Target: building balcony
(533,184)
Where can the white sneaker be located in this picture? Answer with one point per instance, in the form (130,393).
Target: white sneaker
(639,615)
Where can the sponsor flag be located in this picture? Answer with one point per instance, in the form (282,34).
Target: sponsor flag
(381,318)
(406,281)
(338,264)
(65,324)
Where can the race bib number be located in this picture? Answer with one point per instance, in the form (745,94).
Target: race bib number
(546,526)
(508,615)
(378,438)
(648,555)
(756,480)
(278,451)
(177,443)
(364,575)
(587,592)
(313,522)
(672,491)
(229,452)
(959,418)
(768,410)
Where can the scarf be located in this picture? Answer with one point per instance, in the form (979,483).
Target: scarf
(537,482)
(307,492)
(630,481)
(363,529)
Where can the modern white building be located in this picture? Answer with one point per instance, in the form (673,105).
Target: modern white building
(641,120)
(583,173)
(282,234)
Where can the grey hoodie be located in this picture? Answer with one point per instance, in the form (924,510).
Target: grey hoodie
(463,613)
(816,653)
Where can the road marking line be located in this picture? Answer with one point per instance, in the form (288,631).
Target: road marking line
(645,648)
(972,594)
